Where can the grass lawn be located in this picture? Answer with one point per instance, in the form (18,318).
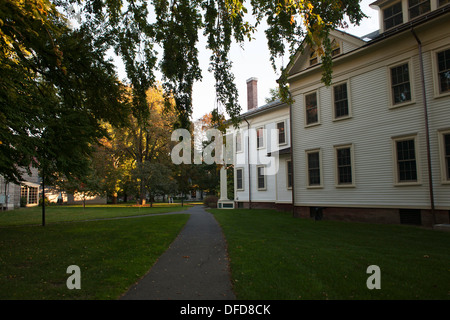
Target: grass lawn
(111,254)
(55,213)
(275,256)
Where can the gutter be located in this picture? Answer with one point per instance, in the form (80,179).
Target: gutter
(427,130)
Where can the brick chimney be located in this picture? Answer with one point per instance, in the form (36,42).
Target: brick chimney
(252,93)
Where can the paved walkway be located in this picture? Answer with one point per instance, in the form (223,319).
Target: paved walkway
(194,267)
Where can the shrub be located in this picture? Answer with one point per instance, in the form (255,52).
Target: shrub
(47,202)
(23,202)
(211,201)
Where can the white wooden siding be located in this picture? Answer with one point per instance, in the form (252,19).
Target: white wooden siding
(370,129)
(272,192)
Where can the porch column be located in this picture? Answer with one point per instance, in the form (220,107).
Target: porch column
(223,183)
(227,152)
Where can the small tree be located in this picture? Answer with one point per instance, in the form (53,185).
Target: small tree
(88,186)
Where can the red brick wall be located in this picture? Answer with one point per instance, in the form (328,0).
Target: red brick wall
(372,215)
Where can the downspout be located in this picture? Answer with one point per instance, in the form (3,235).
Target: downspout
(291,137)
(248,165)
(427,130)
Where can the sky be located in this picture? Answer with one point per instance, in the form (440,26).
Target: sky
(253,61)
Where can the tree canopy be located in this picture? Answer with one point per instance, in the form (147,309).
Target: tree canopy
(162,36)
(58,84)
(55,89)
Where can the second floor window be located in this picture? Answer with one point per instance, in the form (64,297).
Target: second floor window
(260,137)
(401,89)
(340,101)
(393,16)
(311,108)
(281,132)
(418,7)
(444,71)
(238,141)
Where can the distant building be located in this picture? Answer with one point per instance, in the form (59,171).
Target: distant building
(26,193)
(29,192)
(261,155)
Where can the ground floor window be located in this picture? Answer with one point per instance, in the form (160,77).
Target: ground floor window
(344,165)
(289,173)
(261,177)
(406,160)
(239,179)
(313,170)
(29,195)
(445,155)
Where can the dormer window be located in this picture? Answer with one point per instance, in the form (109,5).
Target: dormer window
(313,58)
(393,16)
(418,7)
(335,48)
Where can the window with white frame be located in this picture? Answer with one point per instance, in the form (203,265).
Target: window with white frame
(238,141)
(393,16)
(311,108)
(32,195)
(400,84)
(335,48)
(313,58)
(418,7)
(24,193)
(341,101)
(261,177)
(281,126)
(260,137)
(289,176)
(344,165)
(443,63)
(444,138)
(447,154)
(239,179)
(313,168)
(405,154)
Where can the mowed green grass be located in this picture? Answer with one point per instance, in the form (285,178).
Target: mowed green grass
(275,256)
(70,213)
(111,254)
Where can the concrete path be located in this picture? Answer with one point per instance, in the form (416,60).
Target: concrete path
(195,267)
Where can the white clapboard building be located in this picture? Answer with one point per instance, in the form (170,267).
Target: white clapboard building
(375,144)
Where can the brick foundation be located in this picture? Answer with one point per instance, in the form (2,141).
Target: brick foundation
(370,215)
(265,205)
(374,215)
